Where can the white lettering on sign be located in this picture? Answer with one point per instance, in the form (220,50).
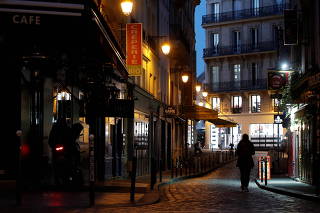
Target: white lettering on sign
(21,19)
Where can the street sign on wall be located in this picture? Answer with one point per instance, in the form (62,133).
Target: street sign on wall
(276,80)
(134,48)
(278,119)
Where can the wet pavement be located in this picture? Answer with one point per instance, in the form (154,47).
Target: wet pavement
(219,191)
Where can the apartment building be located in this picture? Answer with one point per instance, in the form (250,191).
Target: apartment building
(242,45)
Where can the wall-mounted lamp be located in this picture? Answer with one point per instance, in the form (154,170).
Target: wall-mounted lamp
(284,66)
(126,7)
(165,47)
(185,78)
(198,88)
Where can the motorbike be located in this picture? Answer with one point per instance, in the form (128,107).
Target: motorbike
(67,165)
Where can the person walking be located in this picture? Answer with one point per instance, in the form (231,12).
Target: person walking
(197,148)
(245,150)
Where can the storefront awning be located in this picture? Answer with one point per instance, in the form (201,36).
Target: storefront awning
(199,113)
(218,122)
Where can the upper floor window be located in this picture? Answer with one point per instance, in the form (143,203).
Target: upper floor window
(236,73)
(254,37)
(255,6)
(255,103)
(254,73)
(215,74)
(236,41)
(236,5)
(276,104)
(216,103)
(215,41)
(215,8)
(236,104)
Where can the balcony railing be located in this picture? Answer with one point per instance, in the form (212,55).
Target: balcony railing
(236,110)
(239,49)
(244,14)
(259,84)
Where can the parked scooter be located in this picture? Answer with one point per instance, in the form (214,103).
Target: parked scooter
(66,154)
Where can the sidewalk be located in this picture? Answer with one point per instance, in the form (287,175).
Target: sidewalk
(114,193)
(108,194)
(288,186)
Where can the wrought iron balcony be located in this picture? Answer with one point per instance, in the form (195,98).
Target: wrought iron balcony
(239,49)
(244,85)
(244,14)
(236,110)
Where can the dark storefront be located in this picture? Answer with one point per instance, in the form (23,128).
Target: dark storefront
(60,62)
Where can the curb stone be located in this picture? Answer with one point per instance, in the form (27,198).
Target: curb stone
(288,192)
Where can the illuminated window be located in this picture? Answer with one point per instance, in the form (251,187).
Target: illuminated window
(236,104)
(216,104)
(255,103)
(236,75)
(276,105)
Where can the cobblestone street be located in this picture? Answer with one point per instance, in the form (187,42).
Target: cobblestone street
(217,192)
(220,192)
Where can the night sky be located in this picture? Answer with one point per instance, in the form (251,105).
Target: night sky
(200,35)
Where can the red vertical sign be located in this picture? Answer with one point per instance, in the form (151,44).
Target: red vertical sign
(134,48)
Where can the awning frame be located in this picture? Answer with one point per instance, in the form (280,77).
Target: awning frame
(218,122)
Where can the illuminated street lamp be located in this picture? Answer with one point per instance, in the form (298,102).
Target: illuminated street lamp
(198,88)
(185,78)
(284,66)
(165,48)
(204,94)
(126,7)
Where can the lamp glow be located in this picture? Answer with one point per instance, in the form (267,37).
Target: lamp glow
(204,94)
(165,48)
(185,78)
(198,88)
(126,7)
(284,66)
(200,104)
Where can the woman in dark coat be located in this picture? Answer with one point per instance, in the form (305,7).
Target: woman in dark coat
(245,150)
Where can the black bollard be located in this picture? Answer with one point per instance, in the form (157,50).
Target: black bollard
(18,179)
(91,170)
(133,178)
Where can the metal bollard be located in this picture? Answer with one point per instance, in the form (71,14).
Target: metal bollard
(265,171)
(172,168)
(160,172)
(261,170)
(133,178)
(180,165)
(18,179)
(176,167)
(91,170)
